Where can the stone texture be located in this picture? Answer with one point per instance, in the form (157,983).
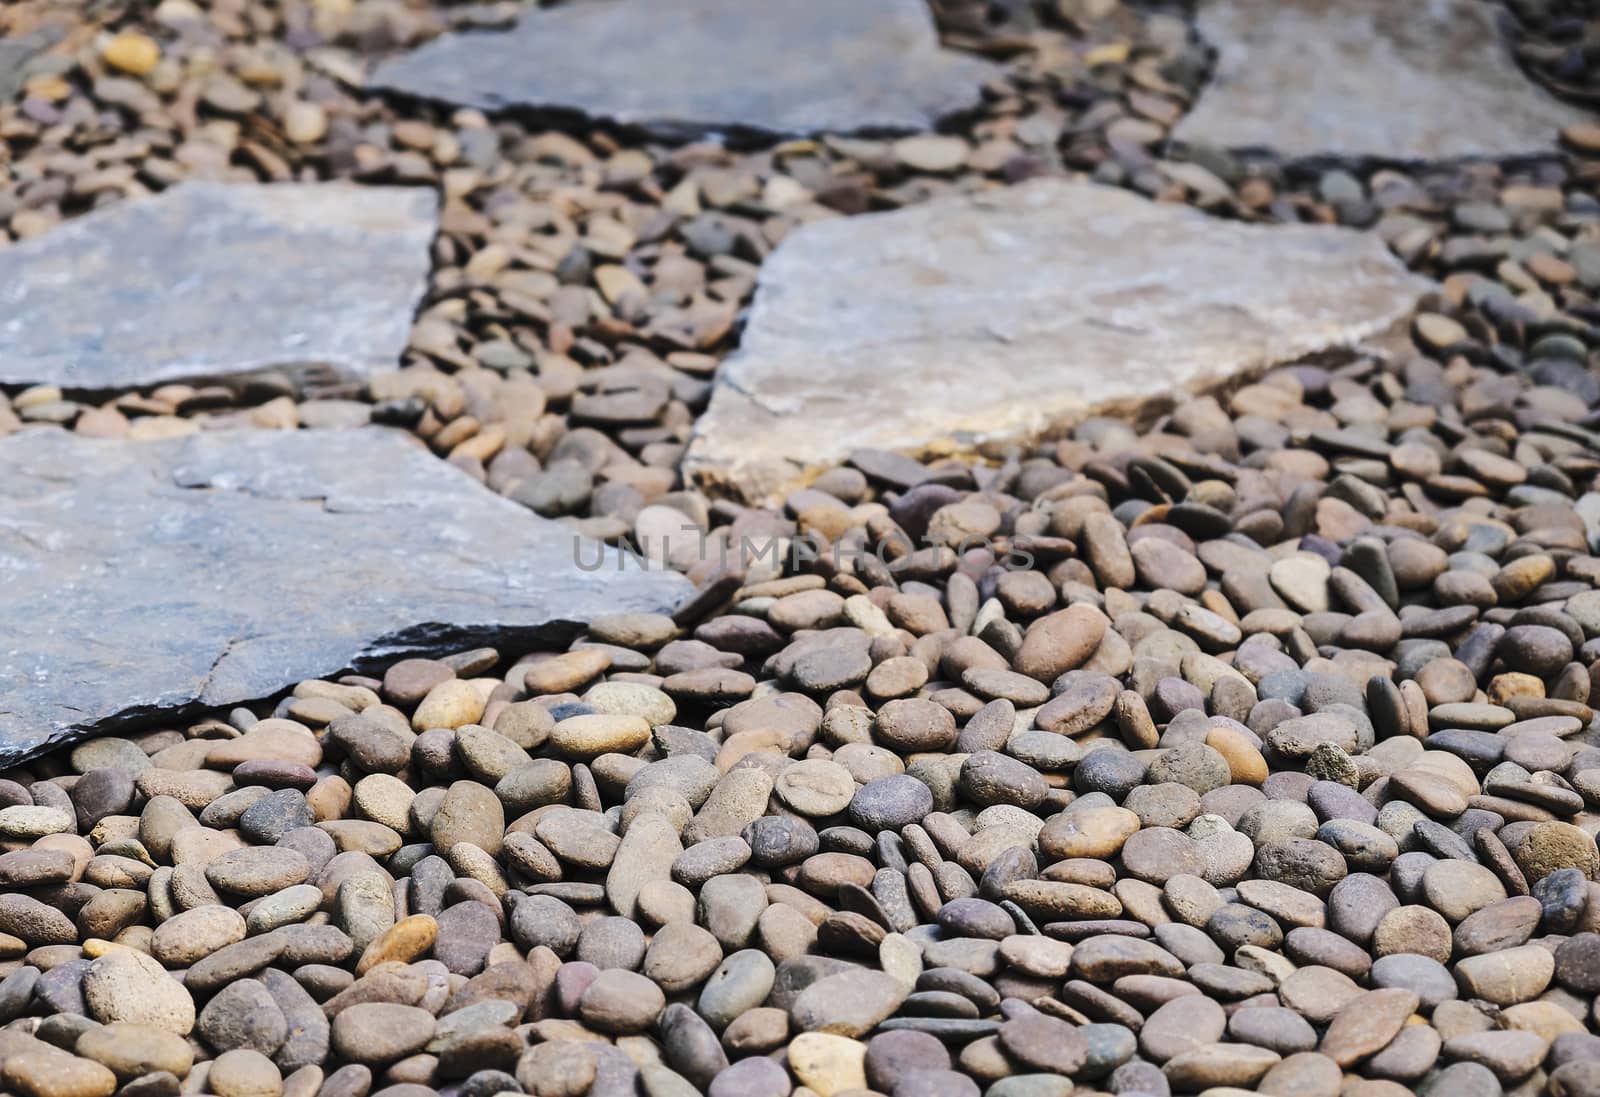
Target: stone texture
(19,49)
(209,280)
(703,66)
(1310,77)
(155,578)
(989,318)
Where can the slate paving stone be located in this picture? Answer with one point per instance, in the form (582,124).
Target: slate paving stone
(211,280)
(142,580)
(1420,81)
(993,317)
(699,66)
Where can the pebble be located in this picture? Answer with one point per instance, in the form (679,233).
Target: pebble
(192,935)
(1045,1043)
(131,52)
(127,985)
(1507,976)
(590,735)
(42,1071)
(620,1001)
(1366,1024)
(1097,832)
(847,1004)
(450,704)
(133,1050)
(1057,643)
(380,1032)
(1181,1025)
(244,1073)
(1457,889)
(827,1063)
(1219,1064)
(255,871)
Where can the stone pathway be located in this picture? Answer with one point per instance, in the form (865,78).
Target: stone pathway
(970,323)
(1104,735)
(1418,81)
(687,69)
(208,281)
(170,577)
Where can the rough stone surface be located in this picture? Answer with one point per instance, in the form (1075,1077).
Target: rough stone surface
(703,66)
(210,280)
(1308,77)
(976,319)
(257,555)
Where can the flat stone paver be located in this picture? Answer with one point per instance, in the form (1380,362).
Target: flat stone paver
(139,581)
(210,280)
(945,325)
(1410,80)
(691,66)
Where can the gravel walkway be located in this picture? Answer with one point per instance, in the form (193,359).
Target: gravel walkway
(1246,747)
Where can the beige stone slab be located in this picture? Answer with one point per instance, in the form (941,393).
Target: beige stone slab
(970,320)
(1396,79)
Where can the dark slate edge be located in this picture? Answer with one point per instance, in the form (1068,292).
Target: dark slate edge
(432,639)
(570,119)
(1176,148)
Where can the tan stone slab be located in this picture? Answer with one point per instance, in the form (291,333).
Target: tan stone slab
(971,320)
(1396,79)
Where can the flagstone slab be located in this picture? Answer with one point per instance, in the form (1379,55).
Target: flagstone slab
(140,582)
(959,322)
(211,280)
(1409,80)
(689,67)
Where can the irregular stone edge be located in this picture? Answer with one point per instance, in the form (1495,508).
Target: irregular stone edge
(385,77)
(765,482)
(427,639)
